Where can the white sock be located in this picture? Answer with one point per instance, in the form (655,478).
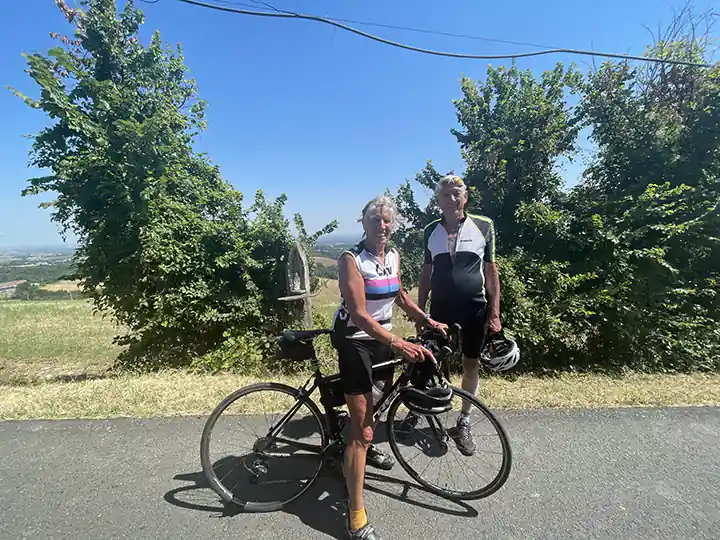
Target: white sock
(471,379)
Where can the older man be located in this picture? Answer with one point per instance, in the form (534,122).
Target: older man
(459,268)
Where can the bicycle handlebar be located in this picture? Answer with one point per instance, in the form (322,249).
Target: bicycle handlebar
(439,345)
(435,337)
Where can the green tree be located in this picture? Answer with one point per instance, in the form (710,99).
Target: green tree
(621,271)
(408,236)
(27,291)
(514,127)
(656,183)
(165,243)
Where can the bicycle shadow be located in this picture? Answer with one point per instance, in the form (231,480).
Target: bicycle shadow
(323,507)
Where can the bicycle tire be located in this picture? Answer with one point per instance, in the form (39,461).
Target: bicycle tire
(486,491)
(207,466)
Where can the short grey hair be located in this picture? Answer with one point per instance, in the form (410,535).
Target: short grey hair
(377,206)
(450,180)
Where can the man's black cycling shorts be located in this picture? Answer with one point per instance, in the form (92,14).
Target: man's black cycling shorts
(356,358)
(472,319)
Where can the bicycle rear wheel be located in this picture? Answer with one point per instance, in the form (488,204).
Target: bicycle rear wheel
(439,440)
(267,472)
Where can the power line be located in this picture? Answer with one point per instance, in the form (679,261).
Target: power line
(289,15)
(440,33)
(394,27)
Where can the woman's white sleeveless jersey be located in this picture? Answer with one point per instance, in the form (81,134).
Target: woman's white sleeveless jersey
(382,285)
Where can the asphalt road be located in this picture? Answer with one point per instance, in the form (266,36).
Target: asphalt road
(623,473)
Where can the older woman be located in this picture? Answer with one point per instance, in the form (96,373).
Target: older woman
(369,280)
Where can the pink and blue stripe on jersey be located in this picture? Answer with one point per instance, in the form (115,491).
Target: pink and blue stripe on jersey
(379,289)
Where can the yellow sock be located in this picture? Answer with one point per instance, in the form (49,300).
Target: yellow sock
(358,519)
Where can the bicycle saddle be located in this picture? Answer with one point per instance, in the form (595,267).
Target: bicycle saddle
(298,335)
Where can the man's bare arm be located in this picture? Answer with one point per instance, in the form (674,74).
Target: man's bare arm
(424,285)
(492,287)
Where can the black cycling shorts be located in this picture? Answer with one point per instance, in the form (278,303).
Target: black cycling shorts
(472,320)
(356,358)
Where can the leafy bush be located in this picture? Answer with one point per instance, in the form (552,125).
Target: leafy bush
(165,244)
(622,271)
(255,353)
(323,271)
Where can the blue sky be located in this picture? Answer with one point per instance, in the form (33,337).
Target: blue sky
(326,116)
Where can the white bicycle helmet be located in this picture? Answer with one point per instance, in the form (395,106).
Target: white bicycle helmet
(500,354)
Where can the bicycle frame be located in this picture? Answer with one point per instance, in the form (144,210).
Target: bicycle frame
(326,386)
(323,383)
(298,346)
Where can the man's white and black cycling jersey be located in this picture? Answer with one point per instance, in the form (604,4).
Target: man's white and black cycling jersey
(457,283)
(382,285)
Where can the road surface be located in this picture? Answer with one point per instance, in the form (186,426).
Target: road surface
(622,473)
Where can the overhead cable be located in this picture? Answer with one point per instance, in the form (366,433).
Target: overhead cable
(289,15)
(394,27)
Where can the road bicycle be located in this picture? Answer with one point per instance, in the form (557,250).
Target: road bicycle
(251,478)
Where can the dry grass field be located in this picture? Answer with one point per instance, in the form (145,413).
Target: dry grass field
(62,286)
(54,356)
(45,339)
(325,261)
(182,394)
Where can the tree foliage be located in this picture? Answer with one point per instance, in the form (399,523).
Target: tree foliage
(166,244)
(514,128)
(622,270)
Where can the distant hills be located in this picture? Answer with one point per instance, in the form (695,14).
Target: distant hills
(56,249)
(340,238)
(69,249)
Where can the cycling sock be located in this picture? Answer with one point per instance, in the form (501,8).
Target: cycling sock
(358,519)
(470,384)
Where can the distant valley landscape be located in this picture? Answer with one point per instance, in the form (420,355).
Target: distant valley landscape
(51,268)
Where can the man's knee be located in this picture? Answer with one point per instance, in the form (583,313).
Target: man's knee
(470,364)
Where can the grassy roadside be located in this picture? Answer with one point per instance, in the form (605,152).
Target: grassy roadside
(184,394)
(45,344)
(46,339)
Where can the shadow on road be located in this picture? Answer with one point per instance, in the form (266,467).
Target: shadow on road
(323,507)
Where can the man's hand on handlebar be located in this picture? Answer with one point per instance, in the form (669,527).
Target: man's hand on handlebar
(440,327)
(434,325)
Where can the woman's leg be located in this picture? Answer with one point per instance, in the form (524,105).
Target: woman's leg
(361,436)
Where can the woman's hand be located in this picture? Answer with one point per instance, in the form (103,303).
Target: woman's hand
(412,352)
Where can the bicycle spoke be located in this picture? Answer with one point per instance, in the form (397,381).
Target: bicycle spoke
(437,443)
(280,455)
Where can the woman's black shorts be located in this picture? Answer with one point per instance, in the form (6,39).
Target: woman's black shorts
(356,358)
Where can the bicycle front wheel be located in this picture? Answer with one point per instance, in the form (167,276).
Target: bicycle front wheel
(448,455)
(251,449)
